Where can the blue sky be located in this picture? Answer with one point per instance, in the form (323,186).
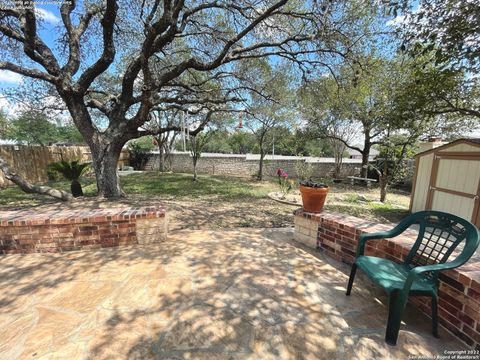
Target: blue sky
(51,16)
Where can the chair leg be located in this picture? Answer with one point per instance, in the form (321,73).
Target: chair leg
(396,306)
(435,316)
(352,277)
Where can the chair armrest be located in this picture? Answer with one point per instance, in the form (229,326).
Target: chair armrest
(374,236)
(397,230)
(437,267)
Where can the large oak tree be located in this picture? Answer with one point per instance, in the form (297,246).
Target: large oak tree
(113,62)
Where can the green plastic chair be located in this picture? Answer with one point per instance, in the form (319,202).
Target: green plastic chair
(439,234)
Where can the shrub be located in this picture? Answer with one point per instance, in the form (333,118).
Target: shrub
(72,171)
(303,170)
(139,151)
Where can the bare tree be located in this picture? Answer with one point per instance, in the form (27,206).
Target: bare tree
(119,60)
(164,140)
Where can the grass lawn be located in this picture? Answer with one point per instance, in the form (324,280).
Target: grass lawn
(220,201)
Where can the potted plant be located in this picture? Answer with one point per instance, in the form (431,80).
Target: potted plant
(71,171)
(313,195)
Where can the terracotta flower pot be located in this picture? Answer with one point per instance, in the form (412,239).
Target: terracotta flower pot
(313,198)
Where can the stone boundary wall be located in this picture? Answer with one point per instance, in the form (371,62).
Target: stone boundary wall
(31,231)
(247,165)
(459,292)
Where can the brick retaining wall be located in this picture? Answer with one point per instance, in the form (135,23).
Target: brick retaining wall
(459,292)
(33,231)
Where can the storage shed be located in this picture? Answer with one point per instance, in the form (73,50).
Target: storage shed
(447,178)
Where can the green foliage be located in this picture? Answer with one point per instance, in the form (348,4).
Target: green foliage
(70,170)
(139,150)
(34,128)
(303,170)
(446,31)
(4,125)
(69,134)
(218,142)
(241,142)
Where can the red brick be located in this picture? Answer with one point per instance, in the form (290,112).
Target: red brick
(473,313)
(474,295)
(448,307)
(471,333)
(455,301)
(452,282)
(464,280)
(452,319)
(475,285)
(467,320)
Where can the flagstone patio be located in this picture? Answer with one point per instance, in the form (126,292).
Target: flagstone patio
(246,294)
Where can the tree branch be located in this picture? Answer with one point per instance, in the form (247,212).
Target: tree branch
(108,54)
(36,74)
(31,188)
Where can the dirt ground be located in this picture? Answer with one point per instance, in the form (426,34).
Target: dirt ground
(221,202)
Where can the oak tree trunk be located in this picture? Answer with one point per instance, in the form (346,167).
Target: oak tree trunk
(365,158)
(194,159)
(260,166)
(383,188)
(161,160)
(104,161)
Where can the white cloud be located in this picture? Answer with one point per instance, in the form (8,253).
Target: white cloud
(10,77)
(47,15)
(11,108)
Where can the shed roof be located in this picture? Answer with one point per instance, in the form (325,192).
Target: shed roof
(475,142)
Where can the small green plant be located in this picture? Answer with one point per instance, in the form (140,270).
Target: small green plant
(303,170)
(139,151)
(52,175)
(313,184)
(354,198)
(72,171)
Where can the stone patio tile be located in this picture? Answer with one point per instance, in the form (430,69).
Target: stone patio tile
(240,294)
(50,332)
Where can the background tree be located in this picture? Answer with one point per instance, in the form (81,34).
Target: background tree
(68,133)
(164,140)
(139,152)
(270,103)
(34,128)
(122,59)
(445,36)
(446,31)
(196,145)
(242,142)
(4,125)
(350,107)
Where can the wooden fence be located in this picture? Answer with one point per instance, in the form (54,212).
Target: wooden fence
(31,162)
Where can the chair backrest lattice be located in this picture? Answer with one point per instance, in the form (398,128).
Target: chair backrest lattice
(438,236)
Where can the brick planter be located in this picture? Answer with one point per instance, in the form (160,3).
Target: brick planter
(33,231)
(459,293)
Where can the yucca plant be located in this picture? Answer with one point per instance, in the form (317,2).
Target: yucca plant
(72,171)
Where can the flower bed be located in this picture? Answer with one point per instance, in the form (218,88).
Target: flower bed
(33,231)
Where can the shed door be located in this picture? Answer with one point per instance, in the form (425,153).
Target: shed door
(455,185)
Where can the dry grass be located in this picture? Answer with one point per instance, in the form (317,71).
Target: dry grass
(221,202)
